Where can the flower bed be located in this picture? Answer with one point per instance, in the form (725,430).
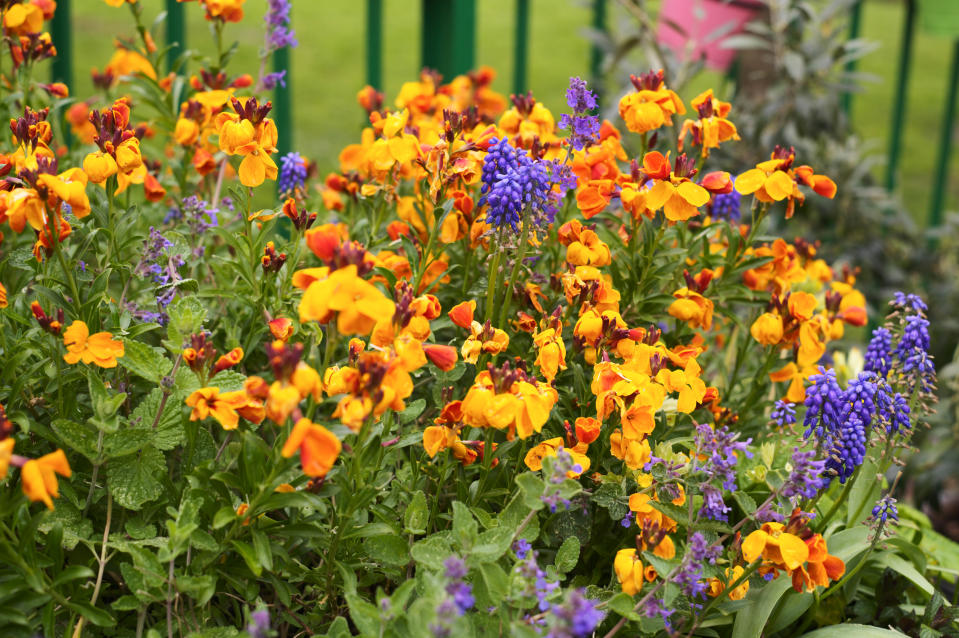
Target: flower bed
(498,375)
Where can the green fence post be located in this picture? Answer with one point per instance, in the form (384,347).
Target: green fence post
(595,52)
(175,32)
(62,69)
(855,22)
(374,44)
(448,40)
(902,91)
(945,143)
(282,104)
(521,47)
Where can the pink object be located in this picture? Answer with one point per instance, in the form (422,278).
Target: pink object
(700,20)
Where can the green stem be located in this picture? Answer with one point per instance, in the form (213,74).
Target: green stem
(493,277)
(521,253)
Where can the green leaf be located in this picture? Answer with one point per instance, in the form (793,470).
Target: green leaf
(126,441)
(364,614)
(78,437)
(865,490)
(261,545)
(391,550)
(852,630)
(249,556)
(431,551)
(567,555)
(187,315)
(145,361)
(622,603)
(169,432)
(417,515)
(412,411)
(133,479)
(751,618)
(71,573)
(491,545)
(532,487)
(905,568)
(465,527)
(495,583)
(96,616)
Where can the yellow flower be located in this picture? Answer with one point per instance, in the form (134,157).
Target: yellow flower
(551,447)
(100,348)
(6,451)
(356,303)
(716,586)
(629,571)
(99,166)
(39,477)
(782,549)
(552,353)
(693,308)
(767,329)
(23,18)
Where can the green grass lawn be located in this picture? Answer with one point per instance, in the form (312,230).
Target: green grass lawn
(328,68)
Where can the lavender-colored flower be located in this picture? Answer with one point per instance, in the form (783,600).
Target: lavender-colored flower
(522,548)
(727,206)
(783,414)
(654,607)
(719,447)
(562,465)
(583,127)
(279,34)
(879,352)
(847,449)
(689,576)
(575,617)
(270,80)
(515,184)
(536,583)
(806,476)
(909,303)
(859,399)
(259,626)
(885,509)
(292,173)
(162,268)
(824,400)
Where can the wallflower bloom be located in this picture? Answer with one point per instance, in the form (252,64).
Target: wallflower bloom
(356,303)
(652,105)
(820,568)
(693,308)
(780,548)
(767,329)
(629,571)
(551,447)
(100,348)
(227,408)
(716,586)
(319,448)
(39,477)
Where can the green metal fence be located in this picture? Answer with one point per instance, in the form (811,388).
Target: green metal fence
(448,44)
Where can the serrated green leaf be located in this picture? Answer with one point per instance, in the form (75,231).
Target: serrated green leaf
(567,555)
(391,549)
(465,527)
(431,551)
(169,432)
(145,361)
(78,437)
(126,441)
(133,479)
(622,603)
(417,514)
(187,315)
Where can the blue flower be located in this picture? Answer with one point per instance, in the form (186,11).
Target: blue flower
(727,206)
(583,127)
(879,352)
(783,414)
(292,173)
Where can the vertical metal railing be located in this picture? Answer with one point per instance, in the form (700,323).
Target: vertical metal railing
(448,44)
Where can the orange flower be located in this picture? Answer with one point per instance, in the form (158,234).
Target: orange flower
(227,408)
(551,447)
(281,328)
(652,105)
(100,348)
(228,360)
(767,329)
(716,586)
(552,353)
(693,308)
(820,568)
(462,313)
(678,196)
(443,357)
(39,477)
(319,448)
